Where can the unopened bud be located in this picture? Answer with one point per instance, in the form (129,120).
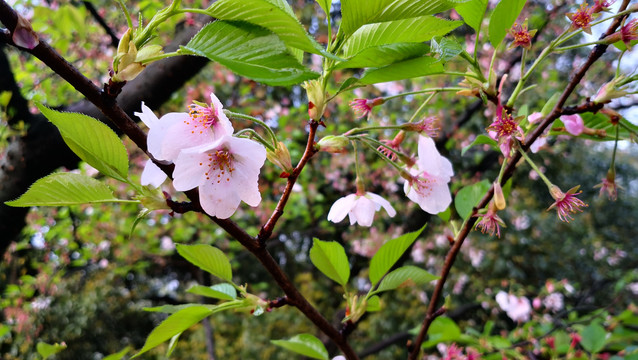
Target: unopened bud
(23,34)
(610,91)
(499,197)
(316,99)
(280,157)
(333,144)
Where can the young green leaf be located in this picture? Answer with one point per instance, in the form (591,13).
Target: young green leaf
(403,277)
(384,55)
(443,329)
(47,350)
(330,258)
(593,338)
(218,291)
(407,69)
(207,258)
(274,15)
(169,309)
(473,12)
(304,344)
(173,325)
(118,355)
(62,189)
(373,304)
(356,13)
(502,19)
(480,140)
(249,51)
(92,141)
(325,5)
(421,29)
(446,48)
(389,254)
(469,196)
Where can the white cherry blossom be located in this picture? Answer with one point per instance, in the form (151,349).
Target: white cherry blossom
(226,172)
(359,208)
(428,184)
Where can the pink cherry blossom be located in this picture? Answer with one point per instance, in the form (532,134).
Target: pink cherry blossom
(427,182)
(363,107)
(226,172)
(173,132)
(533,118)
(359,208)
(505,130)
(566,203)
(517,308)
(490,222)
(573,124)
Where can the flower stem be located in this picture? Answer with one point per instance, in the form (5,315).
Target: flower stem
(429,90)
(271,134)
(367,128)
(533,165)
(418,111)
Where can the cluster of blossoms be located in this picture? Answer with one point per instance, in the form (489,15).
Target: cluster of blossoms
(517,308)
(206,155)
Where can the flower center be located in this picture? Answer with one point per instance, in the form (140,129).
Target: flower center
(582,17)
(422,184)
(200,118)
(220,164)
(504,126)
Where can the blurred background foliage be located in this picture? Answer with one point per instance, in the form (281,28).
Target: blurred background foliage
(78,276)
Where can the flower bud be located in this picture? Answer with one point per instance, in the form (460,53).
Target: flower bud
(610,91)
(128,63)
(499,197)
(281,158)
(333,144)
(316,99)
(23,34)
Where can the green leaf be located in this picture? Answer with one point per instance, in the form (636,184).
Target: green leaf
(469,196)
(173,325)
(47,350)
(218,291)
(356,13)
(249,51)
(384,55)
(330,258)
(502,19)
(480,140)
(473,12)
(325,5)
(421,29)
(169,309)
(406,276)
(442,329)
(62,189)
(349,84)
(407,69)
(118,355)
(373,304)
(92,141)
(389,254)
(207,258)
(593,338)
(274,15)
(304,344)
(446,48)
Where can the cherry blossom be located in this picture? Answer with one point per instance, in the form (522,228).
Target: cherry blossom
(359,208)
(522,36)
(173,132)
(226,172)
(362,107)
(505,130)
(566,203)
(626,34)
(582,18)
(490,222)
(517,308)
(573,124)
(427,181)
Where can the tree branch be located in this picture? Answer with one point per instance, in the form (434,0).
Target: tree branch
(595,54)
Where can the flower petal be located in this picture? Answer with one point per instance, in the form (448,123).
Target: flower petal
(382,202)
(341,208)
(219,200)
(152,174)
(363,211)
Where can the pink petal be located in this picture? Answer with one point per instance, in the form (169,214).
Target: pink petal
(573,124)
(188,172)
(363,211)
(219,200)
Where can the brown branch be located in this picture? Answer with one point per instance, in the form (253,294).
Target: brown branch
(267,229)
(556,112)
(111,109)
